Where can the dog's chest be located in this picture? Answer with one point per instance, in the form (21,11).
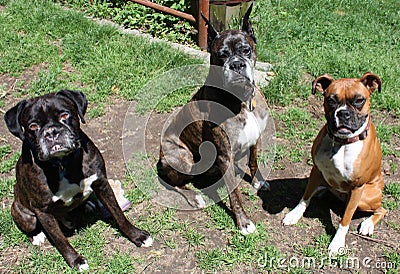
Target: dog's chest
(336,162)
(253,126)
(70,192)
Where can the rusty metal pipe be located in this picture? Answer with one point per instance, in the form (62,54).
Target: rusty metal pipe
(204,6)
(164,9)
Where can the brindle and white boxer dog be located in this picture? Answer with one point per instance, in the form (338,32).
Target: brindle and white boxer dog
(58,169)
(229,113)
(347,155)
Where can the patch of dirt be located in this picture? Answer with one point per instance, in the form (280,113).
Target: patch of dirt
(287,186)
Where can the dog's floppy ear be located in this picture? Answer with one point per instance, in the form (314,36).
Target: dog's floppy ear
(321,83)
(79,100)
(246,25)
(13,119)
(371,81)
(211,33)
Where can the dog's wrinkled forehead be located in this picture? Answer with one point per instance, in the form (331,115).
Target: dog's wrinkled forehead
(347,89)
(233,40)
(44,109)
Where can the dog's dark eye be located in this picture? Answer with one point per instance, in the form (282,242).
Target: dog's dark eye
(64,116)
(223,54)
(358,102)
(33,126)
(332,102)
(246,51)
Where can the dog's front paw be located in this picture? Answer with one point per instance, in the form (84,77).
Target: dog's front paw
(248,229)
(337,246)
(143,239)
(81,264)
(367,227)
(294,215)
(39,239)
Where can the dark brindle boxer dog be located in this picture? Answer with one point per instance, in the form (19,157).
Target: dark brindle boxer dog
(228,112)
(347,155)
(58,169)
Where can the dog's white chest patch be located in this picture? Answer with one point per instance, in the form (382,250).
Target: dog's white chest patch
(67,191)
(252,130)
(337,163)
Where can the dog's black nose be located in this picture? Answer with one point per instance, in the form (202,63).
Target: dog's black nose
(51,133)
(237,65)
(344,114)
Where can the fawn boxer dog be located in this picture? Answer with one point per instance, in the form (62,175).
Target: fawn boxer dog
(229,112)
(346,154)
(58,169)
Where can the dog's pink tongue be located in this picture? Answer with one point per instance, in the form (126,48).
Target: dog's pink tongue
(344,130)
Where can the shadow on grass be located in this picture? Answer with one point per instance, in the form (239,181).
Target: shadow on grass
(288,192)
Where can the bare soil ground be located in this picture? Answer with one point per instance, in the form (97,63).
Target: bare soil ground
(287,186)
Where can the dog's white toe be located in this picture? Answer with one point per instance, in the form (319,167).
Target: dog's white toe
(148,242)
(295,214)
(39,239)
(250,228)
(337,246)
(84,266)
(200,201)
(367,227)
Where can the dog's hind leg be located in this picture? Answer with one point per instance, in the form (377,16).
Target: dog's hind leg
(175,171)
(27,223)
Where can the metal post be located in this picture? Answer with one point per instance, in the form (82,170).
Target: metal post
(202,29)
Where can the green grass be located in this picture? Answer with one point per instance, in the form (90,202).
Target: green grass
(103,62)
(342,38)
(250,249)
(392,193)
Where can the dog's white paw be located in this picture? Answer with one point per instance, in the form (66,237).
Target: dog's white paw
(39,239)
(83,267)
(200,203)
(250,228)
(263,185)
(367,227)
(148,242)
(337,246)
(295,214)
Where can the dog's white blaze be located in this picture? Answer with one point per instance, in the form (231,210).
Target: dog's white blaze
(252,130)
(342,107)
(337,167)
(67,191)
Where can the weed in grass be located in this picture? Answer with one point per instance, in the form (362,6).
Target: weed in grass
(394,259)
(393,191)
(250,249)
(12,236)
(144,178)
(8,164)
(6,187)
(96,111)
(220,218)
(4,151)
(120,262)
(193,237)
